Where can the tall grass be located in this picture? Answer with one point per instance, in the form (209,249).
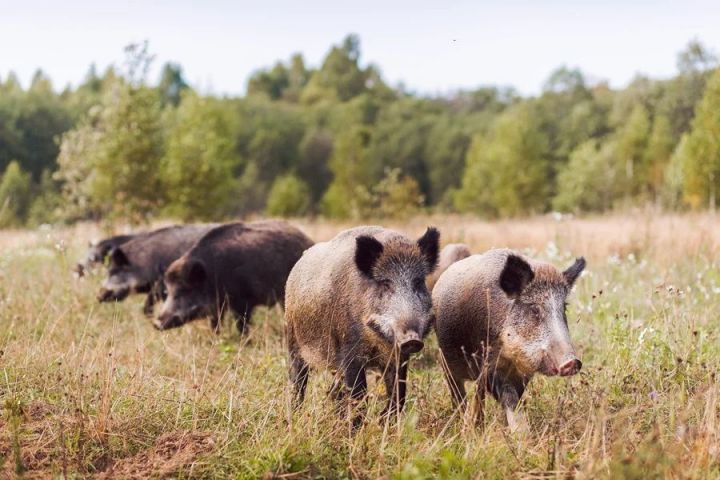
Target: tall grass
(89,389)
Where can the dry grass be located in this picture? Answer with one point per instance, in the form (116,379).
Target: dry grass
(92,389)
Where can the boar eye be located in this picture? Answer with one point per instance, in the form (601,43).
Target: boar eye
(384,283)
(536,310)
(418,284)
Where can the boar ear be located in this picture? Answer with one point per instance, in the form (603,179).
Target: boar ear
(429,245)
(195,272)
(516,275)
(367,251)
(118,257)
(574,271)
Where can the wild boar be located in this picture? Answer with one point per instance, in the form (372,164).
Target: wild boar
(237,266)
(500,318)
(98,252)
(139,265)
(450,254)
(359,302)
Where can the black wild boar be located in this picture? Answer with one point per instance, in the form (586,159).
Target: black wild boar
(359,302)
(500,318)
(450,254)
(138,265)
(98,252)
(237,266)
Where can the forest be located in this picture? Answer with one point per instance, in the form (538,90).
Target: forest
(337,141)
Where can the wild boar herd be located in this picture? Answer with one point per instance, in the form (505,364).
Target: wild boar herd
(363,301)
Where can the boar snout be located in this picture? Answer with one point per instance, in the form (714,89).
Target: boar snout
(167,321)
(410,342)
(571,367)
(109,295)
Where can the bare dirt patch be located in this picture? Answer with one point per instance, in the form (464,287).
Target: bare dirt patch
(171,453)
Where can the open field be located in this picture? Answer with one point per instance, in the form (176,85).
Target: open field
(93,390)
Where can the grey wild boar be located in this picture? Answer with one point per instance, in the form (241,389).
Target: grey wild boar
(138,266)
(359,302)
(98,252)
(500,318)
(237,266)
(450,254)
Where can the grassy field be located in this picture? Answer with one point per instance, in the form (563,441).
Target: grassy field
(93,390)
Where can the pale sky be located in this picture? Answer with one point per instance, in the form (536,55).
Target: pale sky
(431,46)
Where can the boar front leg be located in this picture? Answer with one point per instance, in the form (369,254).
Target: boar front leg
(356,382)
(509,399)
(243,313)
(396,388)
(149,304)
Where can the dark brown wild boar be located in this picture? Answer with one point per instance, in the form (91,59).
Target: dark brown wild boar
(98,252)
(359,302)
(450,254)
(138,266)
(500,318)
(237,266)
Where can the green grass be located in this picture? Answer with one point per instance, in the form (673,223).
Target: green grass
(90,389)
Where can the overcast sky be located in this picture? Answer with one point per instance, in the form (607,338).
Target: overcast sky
(430,46)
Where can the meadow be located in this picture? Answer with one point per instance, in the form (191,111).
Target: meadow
(91,390)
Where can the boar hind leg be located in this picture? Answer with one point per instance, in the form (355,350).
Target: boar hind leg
(299,372)
(456,384)
(396,387)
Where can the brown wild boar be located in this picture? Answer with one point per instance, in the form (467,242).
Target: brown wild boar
(359,302)
(450,254)
(237,266)
(138,265)
(500,318)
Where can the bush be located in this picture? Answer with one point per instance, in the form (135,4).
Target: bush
(289,197)
(397,196)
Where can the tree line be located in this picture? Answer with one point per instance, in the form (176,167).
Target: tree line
(338,141)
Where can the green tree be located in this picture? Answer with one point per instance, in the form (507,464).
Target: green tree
(200,159)
(657,155)
(289,197)
(127,180)
(630,150)
(340,77)
(15,196)
(701,152)
(672,192)
(313,166)
(172,84)
(271,83)
(110,163)
(507,171)
(352,174)
(589,181)
(47,203)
